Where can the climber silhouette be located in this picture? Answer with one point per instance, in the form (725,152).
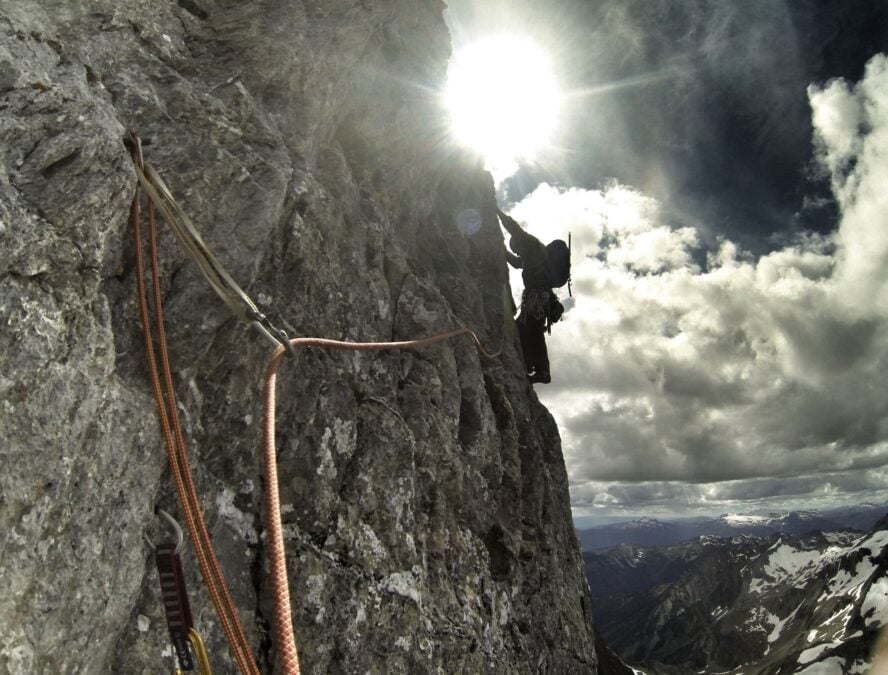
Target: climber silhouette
(540,307)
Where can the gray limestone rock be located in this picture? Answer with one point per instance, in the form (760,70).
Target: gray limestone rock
(424,495)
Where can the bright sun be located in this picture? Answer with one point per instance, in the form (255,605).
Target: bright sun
(503,100)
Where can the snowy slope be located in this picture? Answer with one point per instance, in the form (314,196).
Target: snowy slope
(745,605)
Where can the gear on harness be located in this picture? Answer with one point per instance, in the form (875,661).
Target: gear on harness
(187,643)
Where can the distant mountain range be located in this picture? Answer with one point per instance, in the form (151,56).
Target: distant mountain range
(745,604)
(653,532)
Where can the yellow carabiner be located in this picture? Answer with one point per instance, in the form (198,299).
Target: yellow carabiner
(200,653)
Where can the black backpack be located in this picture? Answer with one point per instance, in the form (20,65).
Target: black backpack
(559,262)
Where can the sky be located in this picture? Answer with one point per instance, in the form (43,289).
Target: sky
(722,168)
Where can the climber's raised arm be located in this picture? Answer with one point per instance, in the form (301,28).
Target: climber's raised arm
(511,225)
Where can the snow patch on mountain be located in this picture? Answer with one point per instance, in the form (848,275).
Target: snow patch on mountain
(816,652)
(831,666)
(785,563)
(778,625)
(875,541)
(875,607)
(850,583)
(642,523)
(738,519)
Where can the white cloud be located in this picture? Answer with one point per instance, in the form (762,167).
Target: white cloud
(654,250)
(677,384)
(837,116)
(851,124)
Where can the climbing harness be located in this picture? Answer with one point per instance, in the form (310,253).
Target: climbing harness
(187,643)
(535,305)
(245,310)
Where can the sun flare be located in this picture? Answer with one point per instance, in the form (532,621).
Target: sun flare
(503,100)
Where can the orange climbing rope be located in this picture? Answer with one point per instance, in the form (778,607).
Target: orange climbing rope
(175,441)
(284,636)
(243,307)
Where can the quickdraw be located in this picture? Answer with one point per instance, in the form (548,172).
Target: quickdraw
(245,310)
(188,646)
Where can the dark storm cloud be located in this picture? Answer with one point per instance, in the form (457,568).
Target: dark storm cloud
(701,105)
(671,498)
(730,101)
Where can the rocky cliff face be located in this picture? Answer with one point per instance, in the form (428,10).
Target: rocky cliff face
(424,493)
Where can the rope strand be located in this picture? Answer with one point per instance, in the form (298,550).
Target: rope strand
(284,634)
(175,444)
(217,587)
